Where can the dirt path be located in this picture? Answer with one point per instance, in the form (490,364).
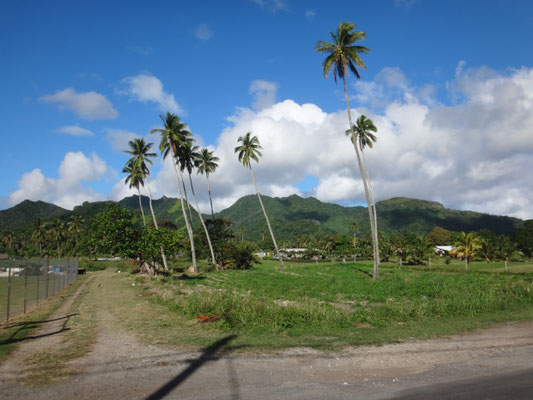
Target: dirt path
(121,366)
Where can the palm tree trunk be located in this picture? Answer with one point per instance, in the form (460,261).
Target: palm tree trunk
(466,263)
(163,256)
(186,197)
(187,225)
(141,206)
(370,190)
(267,221)
(506,264)
(371,213)
(210,199)
(202,221)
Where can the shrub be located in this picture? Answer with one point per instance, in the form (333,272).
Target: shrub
(241,255)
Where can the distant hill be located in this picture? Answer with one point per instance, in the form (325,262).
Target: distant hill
(23,214)
(290,216)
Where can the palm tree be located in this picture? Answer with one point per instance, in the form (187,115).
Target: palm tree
(206,163)
(363,129)
(173,134)
(39,234)
(343,56)
(249,150)
(75,225)
(187,156)
(355,230)
(467,246)
(506,248)
(135,179)
(56,231)
(140,150)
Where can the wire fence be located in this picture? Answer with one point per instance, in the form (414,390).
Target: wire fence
(26,283)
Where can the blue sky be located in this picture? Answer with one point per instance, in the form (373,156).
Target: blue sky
(81,78)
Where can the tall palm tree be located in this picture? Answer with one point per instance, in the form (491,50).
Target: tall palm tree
(363,129)
(343,56)
(173,133)
(206,163)
(187,156)
(467,246)
(39,234)
(75,225)
(56,231)
(140,150)
(135,179)
(247,151)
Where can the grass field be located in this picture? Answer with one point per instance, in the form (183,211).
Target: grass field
(339,304)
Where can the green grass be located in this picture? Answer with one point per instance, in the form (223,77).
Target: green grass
(337,304)
(16,330)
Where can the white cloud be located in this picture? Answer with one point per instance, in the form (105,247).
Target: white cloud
(405,3)
(67,190)
(89,105)
(147,88)
(203,32)
(119,138)
(74,130)
(310,14)
(272,5)
(264,93)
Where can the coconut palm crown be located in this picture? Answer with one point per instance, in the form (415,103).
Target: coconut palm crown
(343,54)
(249,149)
(363,129)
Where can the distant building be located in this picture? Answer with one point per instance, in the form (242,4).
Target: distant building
(443,250)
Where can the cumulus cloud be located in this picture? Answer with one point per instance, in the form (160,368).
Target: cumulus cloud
(88,105)
(67,190)
(272,5)
(203,32)
(264,93)
(147,88)
(474,155)
(74,130)
(118,138)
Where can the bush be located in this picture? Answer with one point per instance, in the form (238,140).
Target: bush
(241,255)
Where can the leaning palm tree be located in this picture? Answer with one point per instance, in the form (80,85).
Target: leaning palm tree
(249,150)
(363,129)
(187,156)
(173,133)
(135,179)
(140,150)
(206,163)
(39,234)
(343,56)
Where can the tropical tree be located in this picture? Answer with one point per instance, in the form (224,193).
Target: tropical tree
(355,230)
(206,163)
(187,156)
(174,133)
(56,232)
(343,56)
(247,151)
(39,234)
(467,246)
(140,150)
(75,225)
(363,129)
(506,248)
(135,179)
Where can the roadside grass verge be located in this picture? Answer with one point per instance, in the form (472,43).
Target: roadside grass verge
(19,328)
(326,306)
(55,364)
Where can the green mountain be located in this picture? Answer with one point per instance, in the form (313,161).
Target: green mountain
(290,216)
(23,214)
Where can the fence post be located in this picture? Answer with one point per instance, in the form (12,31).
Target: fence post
(8,291)
(25,286)
(47,280)
(38,278)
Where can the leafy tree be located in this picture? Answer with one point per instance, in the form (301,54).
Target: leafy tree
(419,250)
(440,236)
(115,232)
(152,241)
(247,151)
(524,238)
(241,255)
(173,134)
(206,163)
(343,56)
(75,225)
(506,248)
(56,232)
(39,234)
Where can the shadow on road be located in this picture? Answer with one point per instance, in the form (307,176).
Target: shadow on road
(208,354)
(22,326)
